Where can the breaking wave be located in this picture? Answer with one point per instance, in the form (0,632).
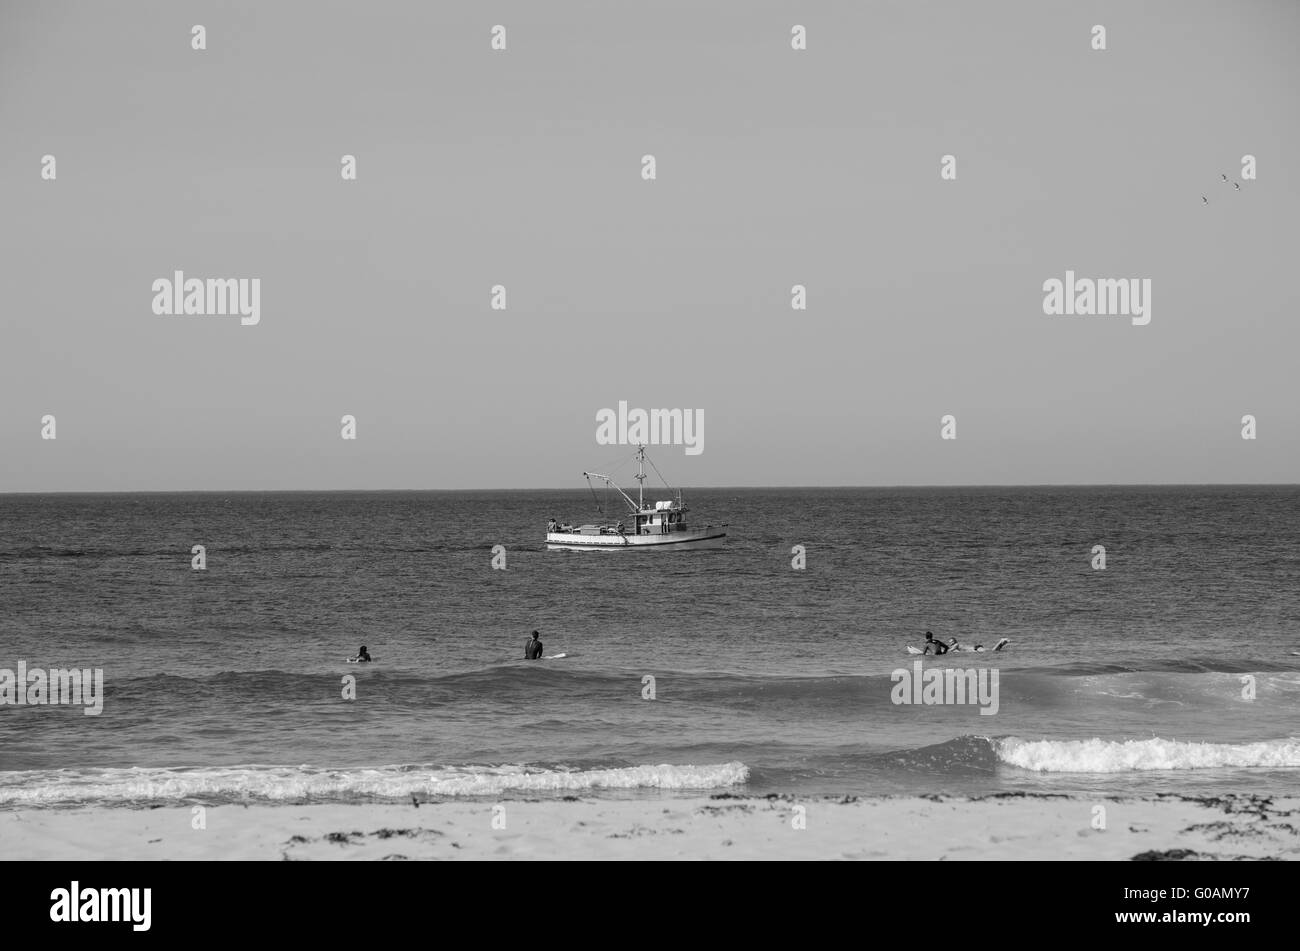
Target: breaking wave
(1117,756)
(304,784)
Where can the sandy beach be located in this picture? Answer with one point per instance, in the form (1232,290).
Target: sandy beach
(997,827)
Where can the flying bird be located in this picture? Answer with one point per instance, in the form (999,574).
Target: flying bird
(1204,199)
(1224,177)
(1237,185)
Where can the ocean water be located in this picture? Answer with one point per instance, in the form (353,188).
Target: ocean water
(1175,669)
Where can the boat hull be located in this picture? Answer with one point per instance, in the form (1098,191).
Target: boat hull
(674,541)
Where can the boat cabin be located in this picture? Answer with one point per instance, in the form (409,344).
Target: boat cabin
(663,519)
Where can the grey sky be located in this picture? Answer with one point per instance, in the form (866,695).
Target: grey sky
(522,168)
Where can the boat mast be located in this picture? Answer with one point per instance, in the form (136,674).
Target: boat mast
(640,478)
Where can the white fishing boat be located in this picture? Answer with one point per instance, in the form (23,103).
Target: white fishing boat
(659,525)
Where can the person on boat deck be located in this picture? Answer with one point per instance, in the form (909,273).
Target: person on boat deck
(551,525)
(939,646)
(363,655)
(533,648)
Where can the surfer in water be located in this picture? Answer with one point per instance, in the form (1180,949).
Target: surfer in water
(363,656)
(533,648)
(939,646)
(954,646)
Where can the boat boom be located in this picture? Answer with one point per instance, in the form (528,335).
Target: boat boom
(610,482)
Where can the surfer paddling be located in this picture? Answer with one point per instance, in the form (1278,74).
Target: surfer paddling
(930,642)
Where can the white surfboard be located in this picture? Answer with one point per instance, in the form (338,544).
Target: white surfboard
(980,648)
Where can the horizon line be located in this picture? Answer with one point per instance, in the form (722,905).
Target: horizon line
(713,488)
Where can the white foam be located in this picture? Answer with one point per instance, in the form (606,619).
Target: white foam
(479,782)
(1117,756)
(290,783)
